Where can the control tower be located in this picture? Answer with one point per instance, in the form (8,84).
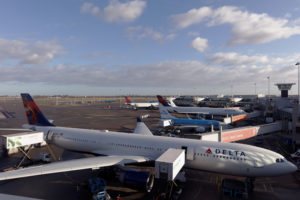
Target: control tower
(284,88)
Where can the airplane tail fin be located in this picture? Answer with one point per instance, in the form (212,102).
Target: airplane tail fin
(172,102)
(33,112)
(164,113)
(162,101)
(141,128)
(128,100)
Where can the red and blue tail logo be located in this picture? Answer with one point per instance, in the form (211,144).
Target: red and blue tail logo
(162,100)
(33,112)
(128,100)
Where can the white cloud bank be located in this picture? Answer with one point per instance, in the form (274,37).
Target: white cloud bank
(116,11)
(25,52)
(247,27)
(172,74)
(235,59)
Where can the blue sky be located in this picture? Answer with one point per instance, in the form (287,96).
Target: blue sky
(121,47)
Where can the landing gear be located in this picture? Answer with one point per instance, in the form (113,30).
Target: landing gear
(250,184)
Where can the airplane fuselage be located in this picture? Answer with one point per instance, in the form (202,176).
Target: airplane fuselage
(226,158)
(196,122)
(143,105)
(207,110)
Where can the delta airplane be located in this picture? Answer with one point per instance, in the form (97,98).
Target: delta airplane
(141,104)
(117,148)
(200,110)
(200,125)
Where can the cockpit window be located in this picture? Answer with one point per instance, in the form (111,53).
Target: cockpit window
(279,160)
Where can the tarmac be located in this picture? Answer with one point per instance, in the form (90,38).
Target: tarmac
(114,117)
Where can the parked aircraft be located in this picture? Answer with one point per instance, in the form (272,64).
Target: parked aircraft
(6,114)
(141,104)
(121,148)
(200,110)
(200,125)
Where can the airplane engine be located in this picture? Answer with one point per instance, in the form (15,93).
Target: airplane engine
(209,116)
(136,179)
(200,129)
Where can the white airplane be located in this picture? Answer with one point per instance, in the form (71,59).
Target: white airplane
(141,104)
(121,148)
(200,110)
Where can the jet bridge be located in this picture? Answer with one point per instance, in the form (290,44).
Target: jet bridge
(11,143)
(168,165)
(236,134)
(22,142)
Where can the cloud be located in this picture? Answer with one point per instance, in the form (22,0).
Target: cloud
(238,60)
(91,9)
(247,27)
(234,59)
(39,52)
(193,16)
(116,11)
(172,74)
(200,44)
(193,33)
(139,32)
(171,36)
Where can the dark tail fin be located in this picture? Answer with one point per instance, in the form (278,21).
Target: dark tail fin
(33,112)
(162,100)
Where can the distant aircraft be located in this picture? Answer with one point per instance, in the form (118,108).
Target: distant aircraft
(6,114)
(122,148)
(141,105)
(200,125)
(200,110)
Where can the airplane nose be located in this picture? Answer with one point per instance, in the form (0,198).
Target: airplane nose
(292,168)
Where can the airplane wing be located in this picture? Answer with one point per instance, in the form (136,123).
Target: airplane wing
(71,165)
(141,128)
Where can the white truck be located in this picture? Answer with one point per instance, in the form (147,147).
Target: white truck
(168,165)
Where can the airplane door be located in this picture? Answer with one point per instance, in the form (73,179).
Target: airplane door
(189,153)
(49,136)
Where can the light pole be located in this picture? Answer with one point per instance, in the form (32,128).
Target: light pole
(254,89)
(298,63)
(268,87)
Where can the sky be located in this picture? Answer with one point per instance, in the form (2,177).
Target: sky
(138,47)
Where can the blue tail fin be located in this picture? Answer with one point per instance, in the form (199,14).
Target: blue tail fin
(33,112)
